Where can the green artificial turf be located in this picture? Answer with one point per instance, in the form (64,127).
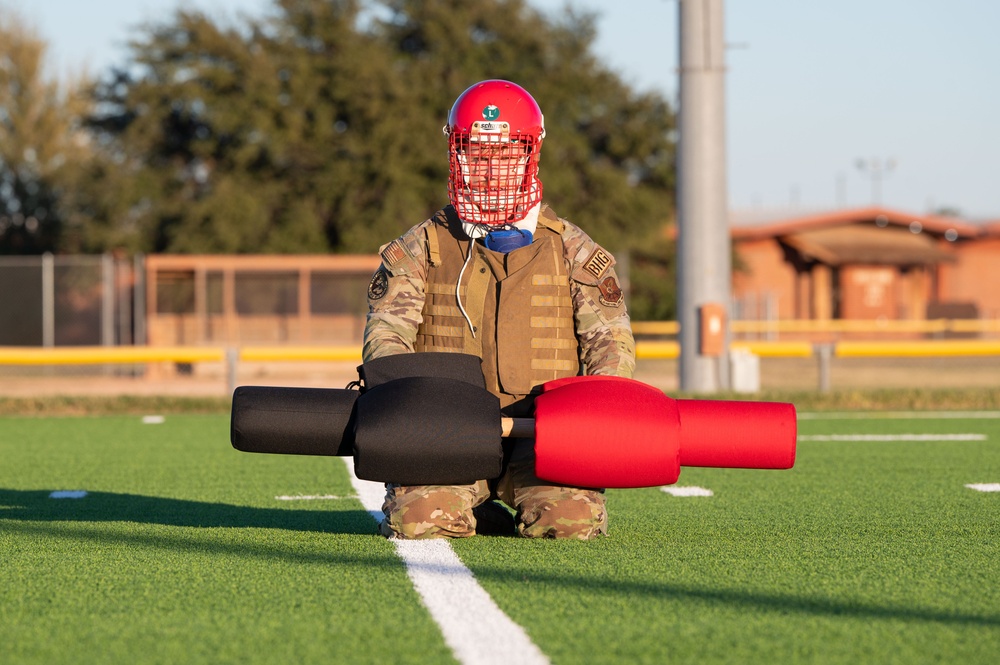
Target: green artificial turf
(864,552)
(180,553)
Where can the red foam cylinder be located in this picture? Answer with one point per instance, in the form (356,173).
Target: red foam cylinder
(743,435)
(602,431)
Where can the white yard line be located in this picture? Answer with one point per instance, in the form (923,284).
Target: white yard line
(893,437)
(898,415)
(984,487)
(475,629)
(308,497)
(690,490)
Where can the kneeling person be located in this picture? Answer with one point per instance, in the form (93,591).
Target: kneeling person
(499,275)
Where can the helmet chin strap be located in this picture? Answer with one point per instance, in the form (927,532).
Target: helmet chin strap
(529,224)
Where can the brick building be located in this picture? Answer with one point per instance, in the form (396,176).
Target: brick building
(867,263)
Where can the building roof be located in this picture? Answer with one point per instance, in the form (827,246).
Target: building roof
(841,245)
(754,227)
(991,229)
(873,235)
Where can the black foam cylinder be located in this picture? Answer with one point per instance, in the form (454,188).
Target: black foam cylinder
(427,431)
(293,421)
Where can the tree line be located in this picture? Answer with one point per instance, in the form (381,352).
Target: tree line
(316,128)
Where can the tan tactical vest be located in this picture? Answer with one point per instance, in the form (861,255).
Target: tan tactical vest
(534,338)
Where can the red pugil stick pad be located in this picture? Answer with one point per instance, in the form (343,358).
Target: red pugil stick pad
(601,431)
(738,435)
(604,431)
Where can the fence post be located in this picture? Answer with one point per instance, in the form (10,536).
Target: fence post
(48,300)
(824,354)
(139,299)
(232,360)
(107,300)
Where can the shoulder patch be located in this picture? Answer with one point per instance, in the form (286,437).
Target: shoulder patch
(393,253)
(598,263)
(379,284)
(611,293)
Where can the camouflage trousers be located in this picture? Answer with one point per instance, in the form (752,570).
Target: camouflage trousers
(542,510)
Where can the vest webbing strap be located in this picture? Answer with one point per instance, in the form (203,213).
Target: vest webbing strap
(442,349)
(445,331)
(548,219)
(443,310)
(550,280)
(550,343)
(552,322)
(553,364)
(551,301)
(433,247)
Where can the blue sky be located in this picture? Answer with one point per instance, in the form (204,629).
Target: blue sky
(812,87)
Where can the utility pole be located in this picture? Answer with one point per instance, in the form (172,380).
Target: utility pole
(703,246)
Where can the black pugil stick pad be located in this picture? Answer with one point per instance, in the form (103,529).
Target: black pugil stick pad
(427,431)
(293,421)
(459,366)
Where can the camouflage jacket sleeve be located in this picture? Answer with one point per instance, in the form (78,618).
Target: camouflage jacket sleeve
(396,296)
(602,321)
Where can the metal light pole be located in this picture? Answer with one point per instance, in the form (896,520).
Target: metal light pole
(703,248)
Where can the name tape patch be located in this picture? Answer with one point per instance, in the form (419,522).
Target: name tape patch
(598,263)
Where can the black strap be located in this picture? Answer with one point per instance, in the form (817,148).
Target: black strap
(457,366)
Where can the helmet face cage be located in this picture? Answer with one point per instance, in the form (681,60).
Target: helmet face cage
(495,132)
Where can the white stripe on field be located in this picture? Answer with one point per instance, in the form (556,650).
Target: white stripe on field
(475,629)
(893,437)
(898,415)
(985,487)
(686,491)
(308,497)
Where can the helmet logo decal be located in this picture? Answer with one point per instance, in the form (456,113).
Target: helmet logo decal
(491,112)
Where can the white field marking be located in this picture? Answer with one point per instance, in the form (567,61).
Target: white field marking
(893,437)
(686,491)
(308,497)
(985,487)
(475,629)
(68,494)
(899,415)
(153,420)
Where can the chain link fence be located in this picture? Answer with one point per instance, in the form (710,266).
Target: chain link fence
(70,301)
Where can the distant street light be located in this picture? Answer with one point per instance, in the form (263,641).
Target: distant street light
(877,170)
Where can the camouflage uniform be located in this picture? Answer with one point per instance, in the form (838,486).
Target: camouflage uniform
(402,297)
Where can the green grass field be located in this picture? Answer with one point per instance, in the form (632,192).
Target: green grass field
(870,552)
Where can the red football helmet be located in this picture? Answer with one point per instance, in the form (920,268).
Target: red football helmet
(495,131)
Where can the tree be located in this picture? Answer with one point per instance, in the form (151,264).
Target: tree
(652,275)
(40,142)
(608,158)
(318,127)
(253,140)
